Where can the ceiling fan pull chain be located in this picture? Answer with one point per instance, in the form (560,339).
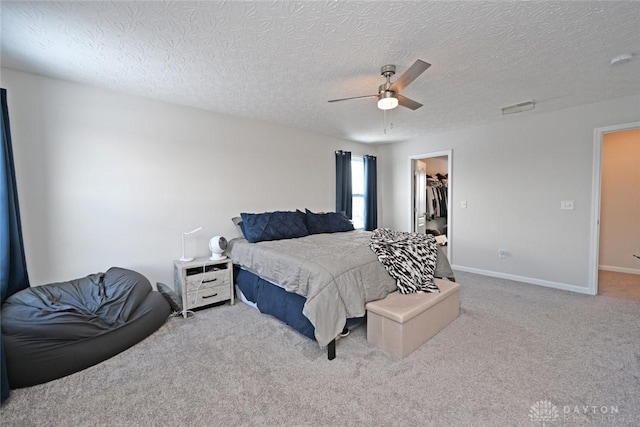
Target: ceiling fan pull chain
(384,112)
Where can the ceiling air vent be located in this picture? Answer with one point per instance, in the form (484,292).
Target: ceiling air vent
(519,107)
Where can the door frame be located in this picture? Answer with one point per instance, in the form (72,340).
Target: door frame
(412,158)
(594,252)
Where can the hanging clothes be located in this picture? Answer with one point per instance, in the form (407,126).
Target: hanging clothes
(437,194)
(441,204)
(433,208)
(434,203)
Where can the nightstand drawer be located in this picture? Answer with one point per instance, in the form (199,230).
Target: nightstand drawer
(209,295)
(206,280)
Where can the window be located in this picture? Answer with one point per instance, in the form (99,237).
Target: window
(357,184)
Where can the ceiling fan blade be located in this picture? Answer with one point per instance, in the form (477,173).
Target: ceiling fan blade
(353,97)
(409,103)
(410,75)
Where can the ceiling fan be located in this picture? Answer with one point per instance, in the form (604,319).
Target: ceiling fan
(388,95)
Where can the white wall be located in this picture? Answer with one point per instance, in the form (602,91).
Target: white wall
(106,179)
(513,173)
(620,202)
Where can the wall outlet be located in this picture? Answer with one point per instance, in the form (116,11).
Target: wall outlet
(566,205)
(502,253)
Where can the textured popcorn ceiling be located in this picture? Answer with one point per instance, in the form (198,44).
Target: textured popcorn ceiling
(281,61)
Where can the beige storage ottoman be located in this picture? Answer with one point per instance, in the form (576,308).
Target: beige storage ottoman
(399,323)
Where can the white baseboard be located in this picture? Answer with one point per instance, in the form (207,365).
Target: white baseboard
(619,269)
(530,280)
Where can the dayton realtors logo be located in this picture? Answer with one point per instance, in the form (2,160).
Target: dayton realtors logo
(544,411)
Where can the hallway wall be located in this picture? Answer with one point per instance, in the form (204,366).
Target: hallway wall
(620,202)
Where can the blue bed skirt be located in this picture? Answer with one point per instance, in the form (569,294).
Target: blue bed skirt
(273,300)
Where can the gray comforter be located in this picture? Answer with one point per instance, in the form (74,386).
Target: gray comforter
(337,273)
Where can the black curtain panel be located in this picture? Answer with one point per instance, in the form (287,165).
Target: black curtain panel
(13,266)
(344,192)
(370,193)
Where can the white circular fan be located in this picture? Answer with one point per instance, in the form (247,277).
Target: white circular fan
(217,245)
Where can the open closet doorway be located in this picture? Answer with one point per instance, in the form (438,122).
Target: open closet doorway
(431,195)
(616,208)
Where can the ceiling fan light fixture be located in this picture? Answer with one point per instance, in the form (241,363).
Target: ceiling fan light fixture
(389,93)
(387,101)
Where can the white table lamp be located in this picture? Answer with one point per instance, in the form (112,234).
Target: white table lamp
(183,258)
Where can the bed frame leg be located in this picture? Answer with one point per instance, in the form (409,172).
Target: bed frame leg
(331,350)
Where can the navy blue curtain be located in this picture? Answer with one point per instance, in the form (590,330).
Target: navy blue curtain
(13,266)
(344,191)
(370,193)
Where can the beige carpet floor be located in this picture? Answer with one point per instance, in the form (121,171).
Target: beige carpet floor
(515,350)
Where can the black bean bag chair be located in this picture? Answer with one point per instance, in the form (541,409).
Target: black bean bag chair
(55,330)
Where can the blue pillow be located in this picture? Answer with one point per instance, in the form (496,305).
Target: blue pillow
(331,222)
(273,226)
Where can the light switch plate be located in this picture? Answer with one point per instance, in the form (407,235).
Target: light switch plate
(566,205)
(463,204)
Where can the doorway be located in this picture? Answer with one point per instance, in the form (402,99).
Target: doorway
(430,209)
(615,268)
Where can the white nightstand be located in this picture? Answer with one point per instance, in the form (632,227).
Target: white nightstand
(203,282)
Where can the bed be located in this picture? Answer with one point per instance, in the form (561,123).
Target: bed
(322,273)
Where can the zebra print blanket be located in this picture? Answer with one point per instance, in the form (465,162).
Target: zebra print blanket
(410,258)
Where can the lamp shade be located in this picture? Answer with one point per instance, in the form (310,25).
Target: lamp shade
(387,101)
